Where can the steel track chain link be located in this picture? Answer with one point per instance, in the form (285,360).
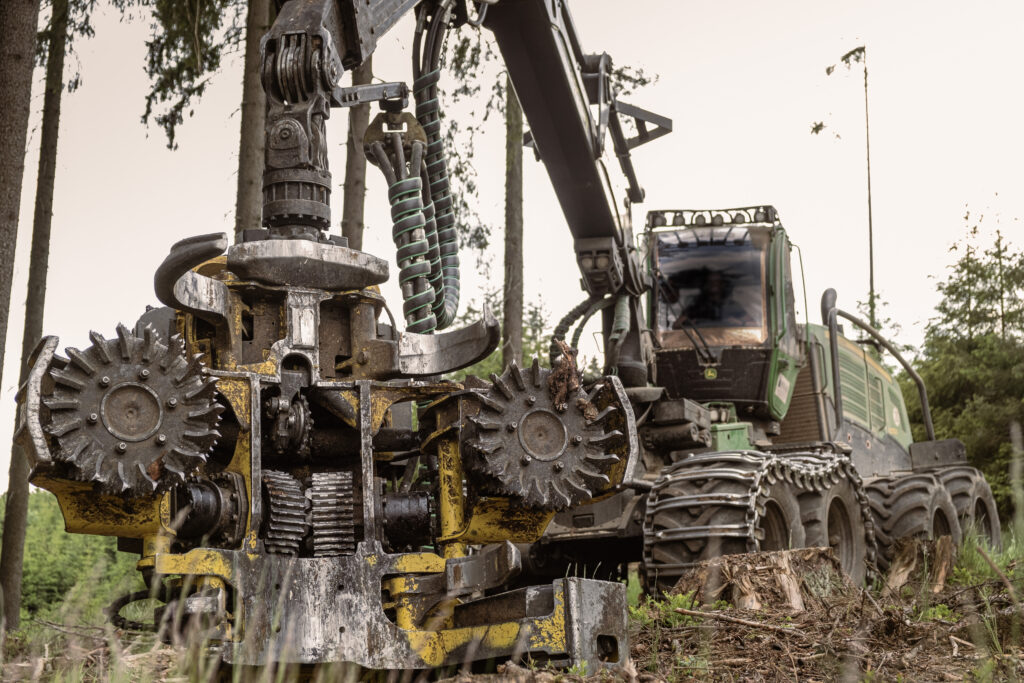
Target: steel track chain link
(807,471)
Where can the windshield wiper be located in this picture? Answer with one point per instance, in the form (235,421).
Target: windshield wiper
(706,355)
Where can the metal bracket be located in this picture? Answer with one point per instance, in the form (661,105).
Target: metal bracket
(425,355)
(623,145)
(180,287)
(395,94)
(493,566)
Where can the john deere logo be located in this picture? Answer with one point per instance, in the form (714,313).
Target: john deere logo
(710,373)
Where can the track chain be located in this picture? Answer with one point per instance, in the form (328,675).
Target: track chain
(810,471)
(331,511)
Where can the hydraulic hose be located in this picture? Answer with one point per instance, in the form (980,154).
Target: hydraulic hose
(598,305)
(620,328)
(440,212)
(405,194)
(565,324)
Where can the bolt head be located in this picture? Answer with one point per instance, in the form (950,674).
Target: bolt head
(172,402)
(512,426)
(577,440)
(122,447)
(559,466)
(525,460)
(93,418)
(531,400)
(161,438)
(104,381)
(144,374)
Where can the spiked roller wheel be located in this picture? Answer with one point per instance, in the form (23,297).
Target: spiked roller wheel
(131,414)
(523,446)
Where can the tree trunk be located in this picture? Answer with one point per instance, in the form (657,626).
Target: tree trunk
(249,204)
(355,163)
(512,323)
(16,511)
(17,52)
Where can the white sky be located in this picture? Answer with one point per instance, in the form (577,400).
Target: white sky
(743,81)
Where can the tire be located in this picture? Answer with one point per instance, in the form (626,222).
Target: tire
(705,515)
(975,505)
(833,518)
(781,523)
(913,506)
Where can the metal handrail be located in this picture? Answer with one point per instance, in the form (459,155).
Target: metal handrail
(829,314)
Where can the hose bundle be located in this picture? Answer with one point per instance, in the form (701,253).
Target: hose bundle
(440,212)
(409,231)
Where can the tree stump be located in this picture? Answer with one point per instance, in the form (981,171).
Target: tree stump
(783,580)
(924,562)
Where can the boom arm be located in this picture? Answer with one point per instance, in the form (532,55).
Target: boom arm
(567,97)
(557,83)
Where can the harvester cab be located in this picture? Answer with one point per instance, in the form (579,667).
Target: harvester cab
(723,312)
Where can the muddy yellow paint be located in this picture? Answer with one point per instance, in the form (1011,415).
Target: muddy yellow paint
(433,647)
(419,563)
(155,544)
(548,633)
(198,562)
(494,520)
(86,512)
(451,507)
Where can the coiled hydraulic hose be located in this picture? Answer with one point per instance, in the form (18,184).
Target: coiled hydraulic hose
(444,279)
(405,193)
(565,324)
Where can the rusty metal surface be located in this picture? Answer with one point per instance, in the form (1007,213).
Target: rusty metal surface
(425,355)
(304,263)
(131,414)
(310,610)
(545,448)
(177,285)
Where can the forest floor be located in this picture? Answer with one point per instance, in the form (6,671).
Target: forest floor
(968,626)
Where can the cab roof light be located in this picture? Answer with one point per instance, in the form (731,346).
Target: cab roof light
(686,218)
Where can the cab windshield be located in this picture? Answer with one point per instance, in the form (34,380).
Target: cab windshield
(711,279)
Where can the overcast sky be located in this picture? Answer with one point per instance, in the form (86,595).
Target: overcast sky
(742,81)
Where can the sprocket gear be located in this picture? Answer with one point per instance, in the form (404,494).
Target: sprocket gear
(286,523)
(331,511)
(522,446)
(131,414)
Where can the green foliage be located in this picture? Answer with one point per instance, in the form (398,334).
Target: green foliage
(938,612)
(79,25)
(578,670)
(68,571)
(188,43)
(634,591)
(972,569)
(663,613)
(971,359)
(536,335)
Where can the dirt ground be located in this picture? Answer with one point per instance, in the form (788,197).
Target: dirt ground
(916,631)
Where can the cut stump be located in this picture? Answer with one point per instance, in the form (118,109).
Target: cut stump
(922,562)
(782,580)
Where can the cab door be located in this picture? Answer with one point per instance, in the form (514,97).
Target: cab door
(787,353)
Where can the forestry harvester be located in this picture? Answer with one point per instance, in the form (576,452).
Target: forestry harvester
(759,432)
(300,483)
